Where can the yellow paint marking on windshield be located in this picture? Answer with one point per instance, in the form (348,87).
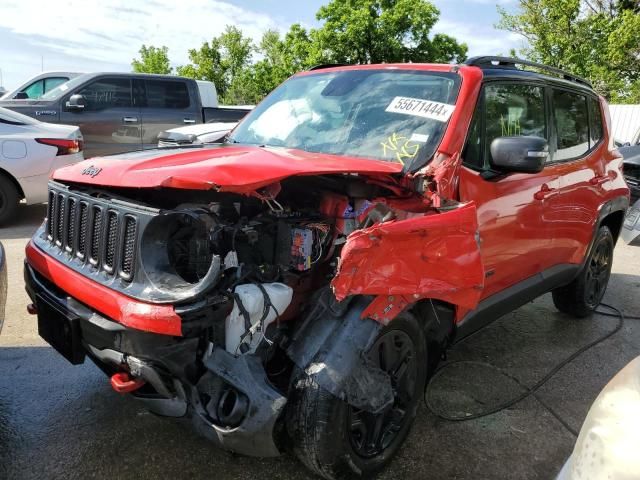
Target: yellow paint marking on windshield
(401,146)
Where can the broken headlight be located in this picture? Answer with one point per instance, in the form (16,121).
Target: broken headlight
(176,253)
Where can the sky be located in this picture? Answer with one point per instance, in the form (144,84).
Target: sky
(105,35)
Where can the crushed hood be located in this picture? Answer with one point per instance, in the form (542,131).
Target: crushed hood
(234,168)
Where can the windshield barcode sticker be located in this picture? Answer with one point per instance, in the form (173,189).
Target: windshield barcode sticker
(421,108)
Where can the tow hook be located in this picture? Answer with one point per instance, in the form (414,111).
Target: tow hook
(122,382)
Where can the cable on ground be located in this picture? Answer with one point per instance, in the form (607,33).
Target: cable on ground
(527,391)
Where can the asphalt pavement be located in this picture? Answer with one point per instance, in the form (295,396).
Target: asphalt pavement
(64,421)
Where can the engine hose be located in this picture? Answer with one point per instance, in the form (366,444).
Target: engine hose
(528,391)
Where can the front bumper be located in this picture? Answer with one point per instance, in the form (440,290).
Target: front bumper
(178,385)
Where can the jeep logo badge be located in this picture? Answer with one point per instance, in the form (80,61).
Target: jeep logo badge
(93,171)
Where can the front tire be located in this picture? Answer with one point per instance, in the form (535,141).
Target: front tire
(584,294)
(336,440)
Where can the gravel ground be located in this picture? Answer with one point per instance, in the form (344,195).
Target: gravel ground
(60,421)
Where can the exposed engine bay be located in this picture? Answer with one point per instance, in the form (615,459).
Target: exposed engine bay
(269,251)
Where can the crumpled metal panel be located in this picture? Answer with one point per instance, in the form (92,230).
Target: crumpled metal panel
(432,256)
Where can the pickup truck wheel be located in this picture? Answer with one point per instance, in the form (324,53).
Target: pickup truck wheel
(9,198)
(336,440)
(585,293)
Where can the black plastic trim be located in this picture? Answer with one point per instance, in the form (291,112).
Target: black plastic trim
(511,298)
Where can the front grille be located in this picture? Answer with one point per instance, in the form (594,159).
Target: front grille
(112,237)
(59,219)
(128,246)
(71,224)
(96,235)
(89,229)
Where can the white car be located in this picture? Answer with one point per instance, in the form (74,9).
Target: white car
(195,134)
(29,151)
(607,446)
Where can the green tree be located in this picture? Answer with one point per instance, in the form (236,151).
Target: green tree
(220,61)
(152,60)
(375,31)
(597,39)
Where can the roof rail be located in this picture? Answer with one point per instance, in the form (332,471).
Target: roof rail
(510,63)
(322,66)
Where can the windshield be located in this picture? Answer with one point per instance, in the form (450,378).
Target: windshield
(391,115)
(13,118)
(64,88)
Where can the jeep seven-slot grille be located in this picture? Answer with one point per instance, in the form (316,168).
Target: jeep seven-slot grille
(94,231)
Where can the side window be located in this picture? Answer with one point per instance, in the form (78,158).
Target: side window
(107,93)
(35,90)
(53,82)
(513,109)
(596,121)
(572,124)
(166,94)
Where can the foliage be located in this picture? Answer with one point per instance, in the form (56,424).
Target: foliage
(596,39)
(152,60)
(376,31)
(351,31)
(221,60)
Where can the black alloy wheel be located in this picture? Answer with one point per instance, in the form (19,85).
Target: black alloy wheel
(370,434)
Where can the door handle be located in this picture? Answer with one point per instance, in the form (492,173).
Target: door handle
(599,180)
(544,192)
(189,120)
(130,119)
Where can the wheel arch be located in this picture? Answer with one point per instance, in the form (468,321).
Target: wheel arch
(437,320)
(614,221)
(5,174)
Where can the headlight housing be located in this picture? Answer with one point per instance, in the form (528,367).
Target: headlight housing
(176,254)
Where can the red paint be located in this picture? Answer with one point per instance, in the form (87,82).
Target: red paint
(124,383)
(125,310)
(240,169)
(428,256)
(531,222)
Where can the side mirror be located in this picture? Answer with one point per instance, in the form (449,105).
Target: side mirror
(519,154)
(21,96)
(76,102)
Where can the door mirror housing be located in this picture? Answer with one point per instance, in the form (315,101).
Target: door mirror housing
(21,96)
(519,154)
(76,102)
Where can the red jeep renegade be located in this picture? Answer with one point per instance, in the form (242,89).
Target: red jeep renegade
(297,284)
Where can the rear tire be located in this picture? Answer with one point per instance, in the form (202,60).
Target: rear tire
(9,198)
(584,294)
(336,440)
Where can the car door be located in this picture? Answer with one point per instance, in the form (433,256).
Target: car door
(165,104)
(577,154)
(514,238)
(109,121)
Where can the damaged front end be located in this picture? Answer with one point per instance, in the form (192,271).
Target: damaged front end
(208,309)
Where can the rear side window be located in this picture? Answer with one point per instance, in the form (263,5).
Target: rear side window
(508,110)
(53,82)
(572,124)
(107,93)
(596,121)
(166,94)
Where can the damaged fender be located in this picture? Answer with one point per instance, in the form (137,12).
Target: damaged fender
(331,348)
(433,256)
